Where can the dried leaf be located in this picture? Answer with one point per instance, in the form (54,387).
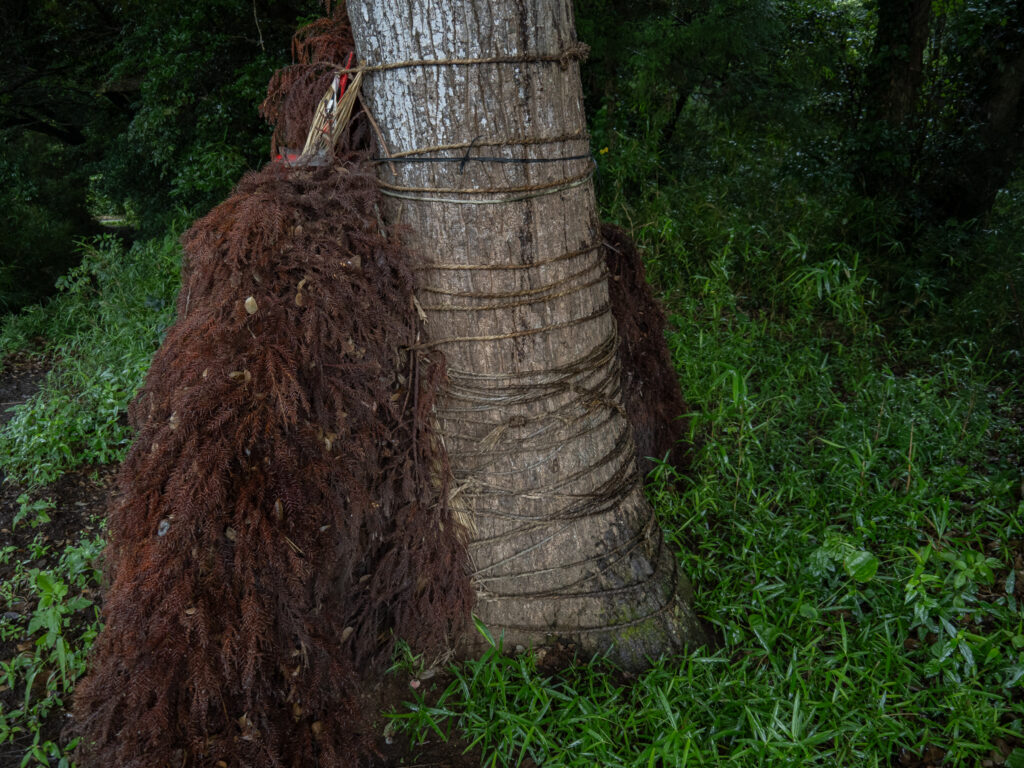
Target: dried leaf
(238,452)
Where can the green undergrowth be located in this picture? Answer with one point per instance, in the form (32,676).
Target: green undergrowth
(96,337)
(851,518)
(50,620)
(100,333)
(850,522)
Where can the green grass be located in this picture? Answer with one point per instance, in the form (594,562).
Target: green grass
(849,522)
(100,332)
(848,528)
(53,640)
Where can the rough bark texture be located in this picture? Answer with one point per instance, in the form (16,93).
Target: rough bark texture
(516,297)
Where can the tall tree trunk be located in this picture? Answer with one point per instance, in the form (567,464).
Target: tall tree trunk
(892,93)
(966,185)
(898,59)
(563,542)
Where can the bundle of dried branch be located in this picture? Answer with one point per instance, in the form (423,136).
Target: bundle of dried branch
(650,386)
(281,517)
(319,49)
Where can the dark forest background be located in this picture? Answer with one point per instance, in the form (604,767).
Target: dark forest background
(887,132)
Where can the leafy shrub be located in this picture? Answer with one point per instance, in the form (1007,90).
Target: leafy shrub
(193,129)
(103,327)
(52,646)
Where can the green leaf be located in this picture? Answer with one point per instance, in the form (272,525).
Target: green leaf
(861,566)
(45,582)
(808,611)
(78,603)
(36,623)
(62,656)
(765,631)
(482,629)
(1013,674)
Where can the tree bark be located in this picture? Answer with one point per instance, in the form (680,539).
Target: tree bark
(514,292)
(898,59)
(966,186)
(892,95)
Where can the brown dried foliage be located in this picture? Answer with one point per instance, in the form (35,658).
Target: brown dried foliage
(280,518)
(650,386)
(319,49)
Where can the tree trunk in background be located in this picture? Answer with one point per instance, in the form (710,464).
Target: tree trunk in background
(965,187)
(563,542)
(892,93)
(898,59)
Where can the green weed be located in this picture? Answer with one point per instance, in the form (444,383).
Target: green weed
(52,644)
(102,330)
(37,511)
(849,525)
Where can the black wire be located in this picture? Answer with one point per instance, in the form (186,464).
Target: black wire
(465,156)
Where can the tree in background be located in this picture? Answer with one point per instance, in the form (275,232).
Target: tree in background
(942,118)
(50,124)
(138,102)
(192,78)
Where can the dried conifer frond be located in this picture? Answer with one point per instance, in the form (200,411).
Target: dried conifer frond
(319,49)
(281,516)
(650,387)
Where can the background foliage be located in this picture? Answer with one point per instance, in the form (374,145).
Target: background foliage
(829,197)
(140,108)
